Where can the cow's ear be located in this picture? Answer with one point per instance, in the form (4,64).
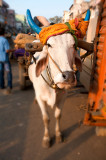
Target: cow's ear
(78,61)
(41,63)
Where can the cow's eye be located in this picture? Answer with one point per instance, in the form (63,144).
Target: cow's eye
(49,45)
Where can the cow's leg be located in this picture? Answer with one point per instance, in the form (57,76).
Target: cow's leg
(46,138)
(57,129)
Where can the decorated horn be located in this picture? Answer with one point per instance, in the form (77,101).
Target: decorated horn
(87,17)
(31,22)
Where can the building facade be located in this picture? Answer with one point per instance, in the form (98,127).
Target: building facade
(11,18)
(21,24)
(3,12)
(76,10)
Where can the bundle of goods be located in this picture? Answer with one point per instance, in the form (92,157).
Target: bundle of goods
(22,39)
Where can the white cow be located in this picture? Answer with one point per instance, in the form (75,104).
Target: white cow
(61,49)
(59,55)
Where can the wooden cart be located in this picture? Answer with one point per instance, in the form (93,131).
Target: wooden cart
(24,62)
(96,105)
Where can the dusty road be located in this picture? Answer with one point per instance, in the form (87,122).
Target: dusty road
(21,128)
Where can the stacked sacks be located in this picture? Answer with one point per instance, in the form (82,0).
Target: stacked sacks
(21,40)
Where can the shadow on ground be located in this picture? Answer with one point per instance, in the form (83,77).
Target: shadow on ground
(21,128)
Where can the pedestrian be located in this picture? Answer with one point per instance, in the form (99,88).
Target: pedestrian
(4,62)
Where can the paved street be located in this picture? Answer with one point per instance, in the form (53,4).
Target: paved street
(21,128)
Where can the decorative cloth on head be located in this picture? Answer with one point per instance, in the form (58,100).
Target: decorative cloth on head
(77,27)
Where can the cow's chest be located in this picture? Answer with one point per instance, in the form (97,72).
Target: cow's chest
(54,97)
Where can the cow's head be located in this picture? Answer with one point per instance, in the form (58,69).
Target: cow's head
(60,54)
(60,49)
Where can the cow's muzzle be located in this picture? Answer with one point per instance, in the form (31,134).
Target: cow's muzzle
(65,79)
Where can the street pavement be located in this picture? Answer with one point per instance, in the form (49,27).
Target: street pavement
(21,127)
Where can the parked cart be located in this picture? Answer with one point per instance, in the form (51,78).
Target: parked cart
(24,62)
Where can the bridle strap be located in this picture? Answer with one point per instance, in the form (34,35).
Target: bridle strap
(54,86)
(51,84)
(54,61)
(49,75)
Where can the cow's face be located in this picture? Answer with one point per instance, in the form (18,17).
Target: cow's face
(61,49)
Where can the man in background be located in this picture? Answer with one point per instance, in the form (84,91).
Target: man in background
(5,63)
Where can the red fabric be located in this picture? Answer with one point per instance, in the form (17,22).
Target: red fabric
(76,22)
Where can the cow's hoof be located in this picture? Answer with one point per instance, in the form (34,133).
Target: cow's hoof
(46,143)
(59,139)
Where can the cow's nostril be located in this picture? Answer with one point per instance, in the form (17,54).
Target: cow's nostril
(68,76)
(64,76)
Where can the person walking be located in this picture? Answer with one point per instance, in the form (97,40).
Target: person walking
(4,62)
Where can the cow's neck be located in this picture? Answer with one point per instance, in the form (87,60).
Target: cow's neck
(46,75)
